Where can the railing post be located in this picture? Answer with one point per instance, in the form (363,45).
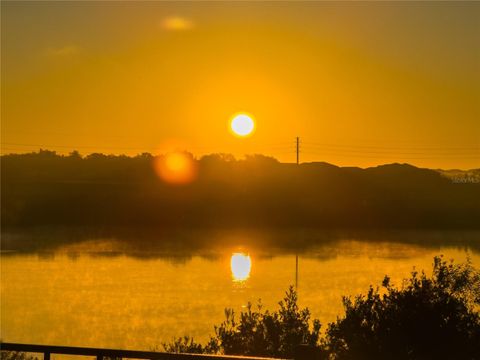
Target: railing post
(46,356)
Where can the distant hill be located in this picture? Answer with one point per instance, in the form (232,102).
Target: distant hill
(45,189)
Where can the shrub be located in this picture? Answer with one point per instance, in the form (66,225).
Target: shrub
(425,318)
(258,332)
(433,317)
(187,345)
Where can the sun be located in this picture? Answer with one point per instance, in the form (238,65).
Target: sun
(242,125)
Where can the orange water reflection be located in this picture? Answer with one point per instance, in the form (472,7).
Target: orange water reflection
(241,266)
(132,302)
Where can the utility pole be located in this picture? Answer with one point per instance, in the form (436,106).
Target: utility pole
(298,150)
(296,256)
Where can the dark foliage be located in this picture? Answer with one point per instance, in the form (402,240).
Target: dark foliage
(258,332)
(45,189)
(425,318)
(433,317)
(188,345)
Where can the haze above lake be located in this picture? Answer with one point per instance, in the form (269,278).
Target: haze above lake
(117,294)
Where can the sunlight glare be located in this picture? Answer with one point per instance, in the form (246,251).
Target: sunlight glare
(241,265)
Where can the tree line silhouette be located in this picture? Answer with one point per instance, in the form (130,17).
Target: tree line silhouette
(47,189)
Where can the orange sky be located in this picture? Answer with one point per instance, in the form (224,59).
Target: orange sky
(361,83)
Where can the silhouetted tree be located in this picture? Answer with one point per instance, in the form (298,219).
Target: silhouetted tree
(425,318)
(258,332)
(433,317)
(75,155)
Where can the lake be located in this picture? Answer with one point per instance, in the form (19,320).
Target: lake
(102,293)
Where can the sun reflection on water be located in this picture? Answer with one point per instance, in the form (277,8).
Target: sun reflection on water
(241,265)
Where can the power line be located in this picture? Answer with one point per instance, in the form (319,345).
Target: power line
(449,148)
(285,147)
(395,152)
(391,156)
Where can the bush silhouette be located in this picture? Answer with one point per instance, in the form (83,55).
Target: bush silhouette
(425,318)
(258,332)
(433,317)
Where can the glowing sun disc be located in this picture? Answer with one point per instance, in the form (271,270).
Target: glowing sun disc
(242,125)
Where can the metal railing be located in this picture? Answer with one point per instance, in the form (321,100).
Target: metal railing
(100,354)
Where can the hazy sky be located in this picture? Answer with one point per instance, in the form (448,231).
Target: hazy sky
(361,83)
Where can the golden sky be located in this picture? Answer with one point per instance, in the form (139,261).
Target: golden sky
(361,83)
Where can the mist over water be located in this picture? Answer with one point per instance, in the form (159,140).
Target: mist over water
(136,293)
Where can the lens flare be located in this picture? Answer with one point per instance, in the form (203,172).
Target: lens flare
(241,265)
(176,168)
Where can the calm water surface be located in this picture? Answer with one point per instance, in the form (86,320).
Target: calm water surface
(79,297)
